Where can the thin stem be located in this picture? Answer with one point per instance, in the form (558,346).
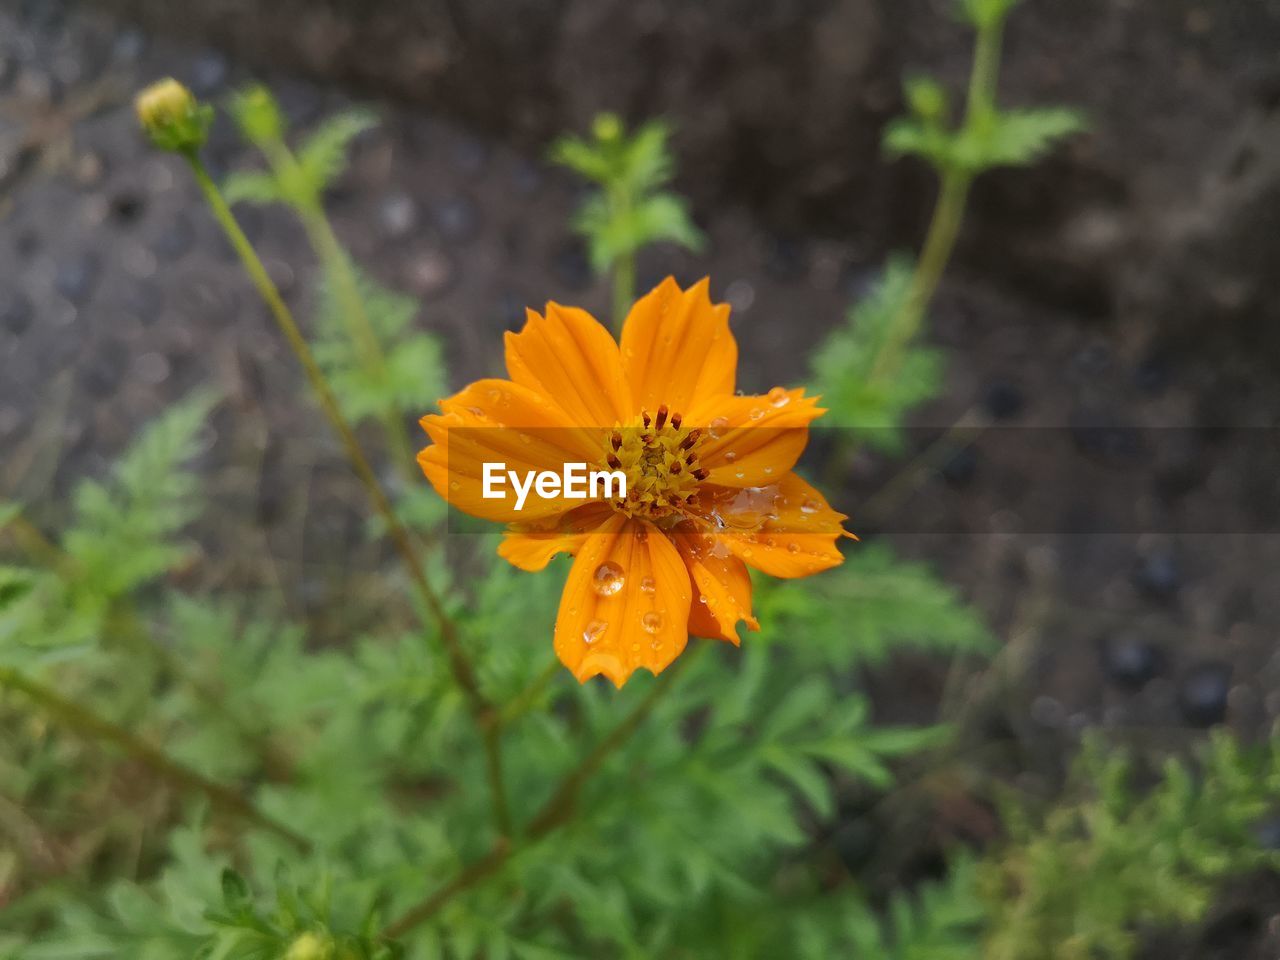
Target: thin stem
(624,266)
(523,701)
(459,662)
(557,811)
(90,725)
(338,267)
(948,212)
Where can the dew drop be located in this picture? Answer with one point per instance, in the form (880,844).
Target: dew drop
(778,397)
(810,506)
(757,413)
(594,631)
(651,621)
(475,410)
(730,456)
(642,535)
(768,470)
(608,579)
(648,586)
(739,474)
(717,427)
(702,598)
(793,547)
(454,485)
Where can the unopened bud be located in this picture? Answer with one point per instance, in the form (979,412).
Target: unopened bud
(172,117)
(607,127)
(310,946)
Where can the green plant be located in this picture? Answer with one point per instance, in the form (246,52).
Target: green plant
(632,210)
(1083,879)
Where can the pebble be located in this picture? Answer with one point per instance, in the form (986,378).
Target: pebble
(152,368)
(398,215)
(1131,661)
(1202,695)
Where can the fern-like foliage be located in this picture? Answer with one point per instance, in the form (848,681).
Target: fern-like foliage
(867,380)
(632,208)
(1079,883)
(412,376)
(123,533)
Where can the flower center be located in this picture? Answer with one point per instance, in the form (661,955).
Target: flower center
(659,456)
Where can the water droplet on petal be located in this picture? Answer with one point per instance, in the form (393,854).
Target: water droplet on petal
(594,631)
(454,485)
(757,413)
(651,621)
(717,427)
(648,586)
(739,474)
(608,579)
(810,506)
(768,470)
(778,397)
(730,456)
(793,547)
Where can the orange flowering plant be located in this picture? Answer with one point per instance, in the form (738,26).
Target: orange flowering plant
(709,483)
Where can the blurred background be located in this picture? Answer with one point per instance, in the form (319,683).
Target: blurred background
(1121,298)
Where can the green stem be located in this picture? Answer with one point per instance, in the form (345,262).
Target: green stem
(624,266)
(338,268)
(90,725)
(948,212)
(459,663)
(558,810)
(522,702)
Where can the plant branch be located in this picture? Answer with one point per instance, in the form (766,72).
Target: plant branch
(88,724)
(558,810)
(459,663)
(948,211)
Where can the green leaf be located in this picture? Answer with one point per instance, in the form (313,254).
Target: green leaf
(235,891)
(322,156)
(252,186)
(1015,137)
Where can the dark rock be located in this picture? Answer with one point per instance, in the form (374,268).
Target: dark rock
(1202,695)
(1158,575)
(127,208)
(960,467)
(1131,661)
(1003,400)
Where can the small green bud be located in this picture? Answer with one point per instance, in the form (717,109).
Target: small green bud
(310,946)
(926,98)
(172,117)
(258,115)
(607,127)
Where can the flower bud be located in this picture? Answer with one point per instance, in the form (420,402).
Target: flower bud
(607,127)
(310,946)
(172,117)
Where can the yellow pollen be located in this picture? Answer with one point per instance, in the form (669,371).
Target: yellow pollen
(659,456)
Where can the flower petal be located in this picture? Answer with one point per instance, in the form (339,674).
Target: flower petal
(797,537)
(531,546)
(643,623)
(571,358)
(497,421)
(753,440)
(724,587)
(677,347)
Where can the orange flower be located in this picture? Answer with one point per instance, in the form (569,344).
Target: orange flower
(709,482)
